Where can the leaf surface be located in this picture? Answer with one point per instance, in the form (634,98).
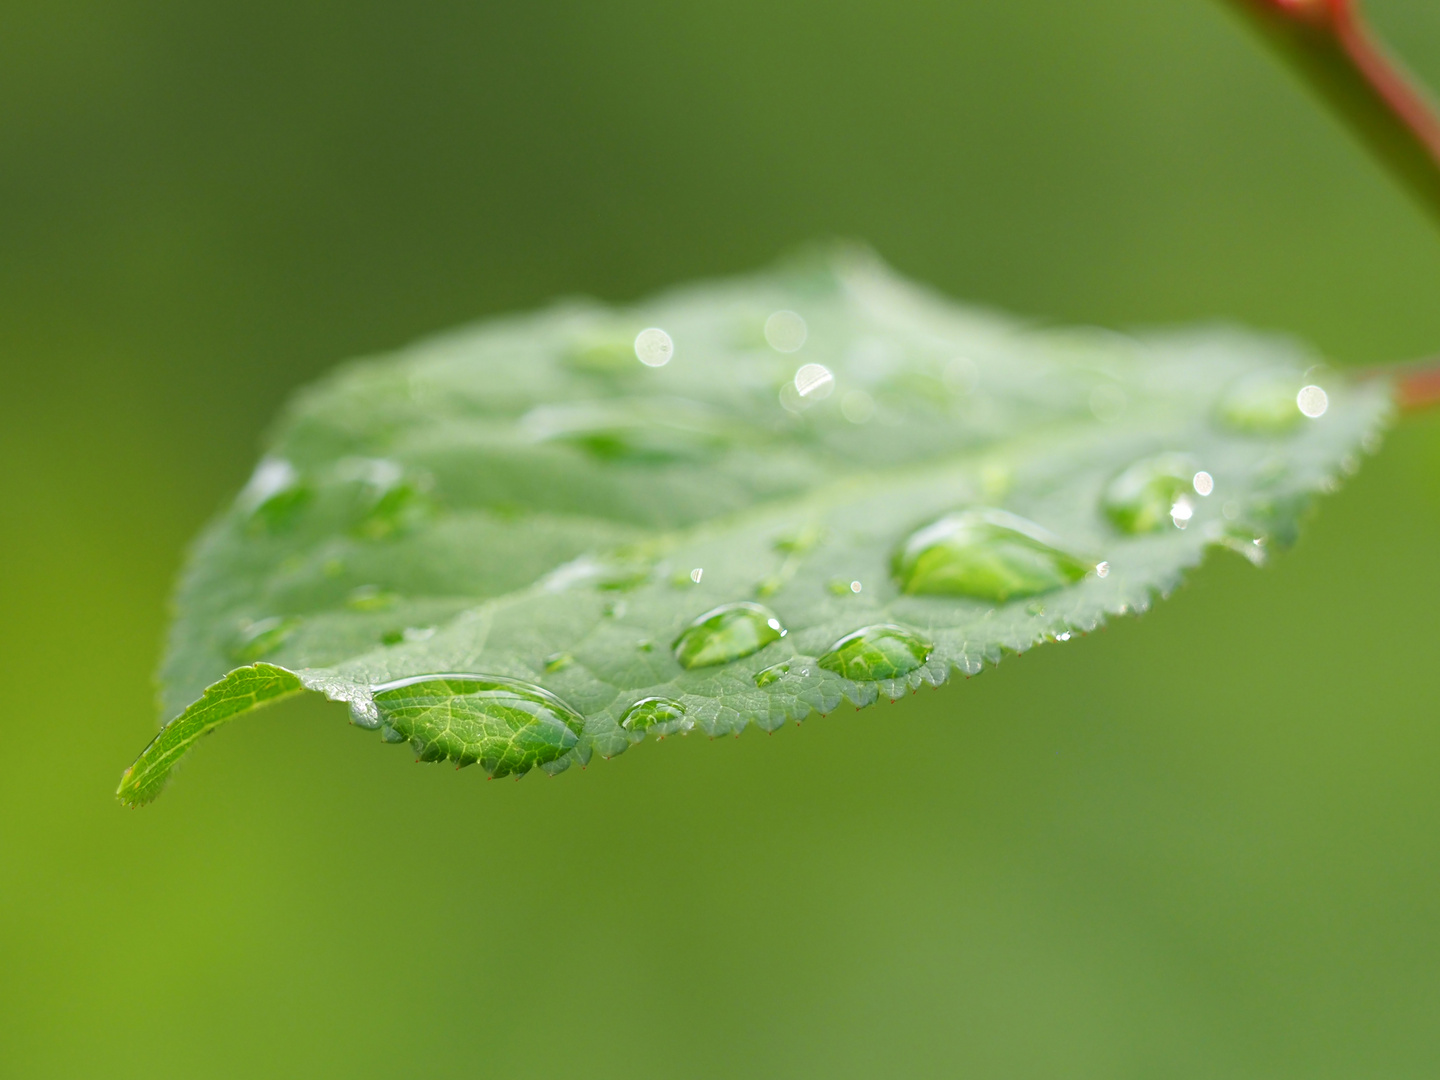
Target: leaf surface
(550,535)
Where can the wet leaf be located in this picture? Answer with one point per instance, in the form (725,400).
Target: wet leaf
(563,506)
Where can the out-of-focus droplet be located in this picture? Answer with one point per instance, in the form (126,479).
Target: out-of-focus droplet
(985,553)
(857,406)
(262,637)
(370,598)
(727,633)
(657,714)
(1182,512)
(508,726)
(1263,403)
(876,652)
(1102,569)
(1141,497)
(814,382)
(558,661)
(1203,483)
(1312,401)
(786,331)
(654,347)
(697,574)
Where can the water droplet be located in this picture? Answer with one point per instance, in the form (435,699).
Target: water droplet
(645,645)
(800,541)
(985,553)
(727,633)
(1312,401)
(786,331)
(370,598)
(1035,607)
(1102,569)
(262,637)
(838,587)
(508,726)
(814,382)
(1203,483)
(1263,403)
(275,496)
(857,406)
(558,662)
(397,510)
(654,347)
(697,574)
(772,673)
(769,586)
(657,714)
(1142,497)
(1064,635)
(877,652)
(855,586)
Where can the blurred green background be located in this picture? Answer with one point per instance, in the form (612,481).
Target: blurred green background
(1200,844)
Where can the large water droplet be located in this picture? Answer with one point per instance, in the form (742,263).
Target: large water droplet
(508,726)
(773,673)
(877,652)
(1140,499)
(727,633)
(1262,403)
(657,714)
(990,554)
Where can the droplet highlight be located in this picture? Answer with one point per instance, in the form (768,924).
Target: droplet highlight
(786,331)
(727,633)
(506,725)
(1312,401)
(988,554)
(654,347)
(883,651)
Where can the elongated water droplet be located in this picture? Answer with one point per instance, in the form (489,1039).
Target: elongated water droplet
(877,652)
(1141,498)
(657,714)
(1264,403)
(261,638)
(727,633)
(989,554)
(772,673)
(508,726)
(558,661)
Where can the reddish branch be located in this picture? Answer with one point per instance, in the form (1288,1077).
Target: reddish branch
(1329,42)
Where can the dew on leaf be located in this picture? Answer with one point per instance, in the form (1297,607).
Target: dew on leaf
(985,553)
(262,637)
(1312,401)
(772,673)
(876,652)
(1264,403)
(558,661)
(275,496)
(654,347)
(1203,483)
(1141,497)
(506,725)
(658,714)
(398,510)
(814,381)
(727,633)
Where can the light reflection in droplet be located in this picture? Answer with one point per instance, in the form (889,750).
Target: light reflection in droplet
(786,331)
(1102,569)
(857,407)
(697,574)
(814,381)
(1204,483)
(654,347)
(855,586)
(1182,512)
(1313,401)
(1063,636)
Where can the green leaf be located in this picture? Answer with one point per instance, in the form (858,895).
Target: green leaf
(554,534)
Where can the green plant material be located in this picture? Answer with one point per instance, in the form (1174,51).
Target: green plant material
(579,547)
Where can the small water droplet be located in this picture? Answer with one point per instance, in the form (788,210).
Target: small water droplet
(1064,635)
(801,541)
(1142,496)
(262,637)
(1203,483)
(558,661)
(814,382)
(398,510)
(1102,569)
(769,586)
(772,673)
(786,331)
(506,725)
(876,652)
(1263,403)
(985,553)
(615,609)
(697,574)
(660,715)
(645,645)
(1312,401)
(839,587)
(855,586)
(370,598)
(727,633)
(1182,512)
(275,496)
(654,347)
(857,406)
(1035,607)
